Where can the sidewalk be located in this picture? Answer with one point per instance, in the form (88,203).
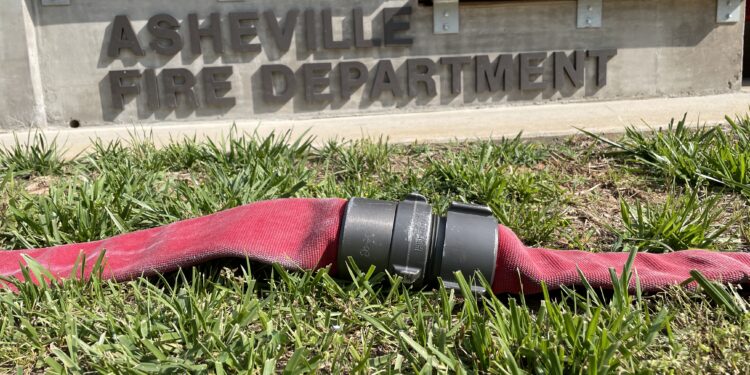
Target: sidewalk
(535,121)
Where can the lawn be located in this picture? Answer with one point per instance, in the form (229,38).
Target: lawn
(672,189)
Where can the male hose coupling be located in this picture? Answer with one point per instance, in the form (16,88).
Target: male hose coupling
(407,239)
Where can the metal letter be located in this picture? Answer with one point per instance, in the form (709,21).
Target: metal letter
(123,37)
(359,31)
(282,34)
(328,42)
(391,26)
(316,80)
(414,76)
(238,30)
(564,67)
(531,67)
(267,73)
(495,78)
(349,83)
(602,58)
(213,31)
(215,80)
(164,26)
(178,81)
(385,79)
(119,90)
(152,89)
(311,30)
(456,65)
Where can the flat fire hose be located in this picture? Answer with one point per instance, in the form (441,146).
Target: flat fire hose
(404,238)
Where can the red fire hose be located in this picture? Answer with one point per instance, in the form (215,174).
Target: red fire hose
(305,234)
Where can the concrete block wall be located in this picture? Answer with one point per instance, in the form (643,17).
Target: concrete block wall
(56,66)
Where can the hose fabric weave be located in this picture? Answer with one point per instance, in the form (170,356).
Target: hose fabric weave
(520,268)
(296,233)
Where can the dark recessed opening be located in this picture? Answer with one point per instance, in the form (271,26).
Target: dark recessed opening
(74,124)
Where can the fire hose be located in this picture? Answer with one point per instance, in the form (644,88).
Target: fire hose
(404,238)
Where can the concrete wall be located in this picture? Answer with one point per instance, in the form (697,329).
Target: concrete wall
(55,62)
(21,102)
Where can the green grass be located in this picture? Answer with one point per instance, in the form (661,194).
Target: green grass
(35,156)
(720,156)
(681,222)
(227,322)
(660,192)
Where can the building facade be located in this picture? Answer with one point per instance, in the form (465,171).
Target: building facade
(70,63)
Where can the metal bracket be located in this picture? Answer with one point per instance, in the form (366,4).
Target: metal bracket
(445,16)
(49,3)
(728,11)
(590,14)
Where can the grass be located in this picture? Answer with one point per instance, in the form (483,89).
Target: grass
(225,322)
(720,156)
(666,191)
(35,156)
(681,222)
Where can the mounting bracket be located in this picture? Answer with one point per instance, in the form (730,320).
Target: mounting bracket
(590,14)
(728,11)
(445,16)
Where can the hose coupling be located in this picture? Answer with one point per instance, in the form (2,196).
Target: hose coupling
(407,239)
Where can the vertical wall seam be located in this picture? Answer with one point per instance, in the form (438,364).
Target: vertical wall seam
(39,118)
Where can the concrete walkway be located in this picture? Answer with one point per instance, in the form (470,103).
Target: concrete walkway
(535,121)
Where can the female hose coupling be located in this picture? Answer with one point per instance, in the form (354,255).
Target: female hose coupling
(406,239)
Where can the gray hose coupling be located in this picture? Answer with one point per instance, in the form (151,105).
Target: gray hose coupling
(406,239)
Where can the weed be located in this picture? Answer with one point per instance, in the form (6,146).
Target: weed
(683,222)
(691,155)
(36,156)
(728,162)
(512,151)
